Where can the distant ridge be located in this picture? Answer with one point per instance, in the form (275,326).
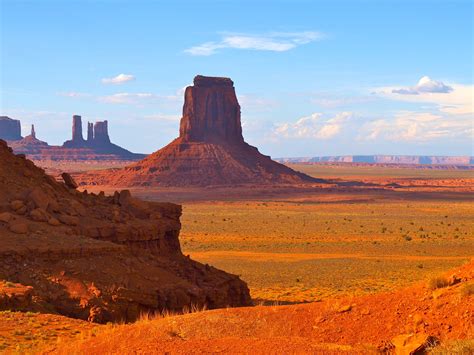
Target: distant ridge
(384,159)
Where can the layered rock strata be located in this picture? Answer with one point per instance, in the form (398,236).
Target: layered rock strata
(97,257)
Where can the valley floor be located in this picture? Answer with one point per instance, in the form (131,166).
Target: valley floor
(349,247)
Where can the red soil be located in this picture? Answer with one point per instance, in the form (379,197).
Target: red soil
(359,324)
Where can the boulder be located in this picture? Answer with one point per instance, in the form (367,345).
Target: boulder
(39,198)
(5,217)
(19,227)
(39,215)
(15,205)
(413,344)
(69,181)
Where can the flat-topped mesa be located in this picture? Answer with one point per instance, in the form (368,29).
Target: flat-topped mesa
(211,112)
(206,81)
(10,129)
(101,133)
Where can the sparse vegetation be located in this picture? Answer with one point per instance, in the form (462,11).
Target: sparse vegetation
(458,347)
(438,282)
(467,289)
(273,245)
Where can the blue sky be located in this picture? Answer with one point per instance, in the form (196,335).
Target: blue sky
(312,77)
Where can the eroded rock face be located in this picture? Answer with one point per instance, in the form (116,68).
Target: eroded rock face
(10,129)
(211,112)
(101,133)
(99,257)
(210,149)
(77,140)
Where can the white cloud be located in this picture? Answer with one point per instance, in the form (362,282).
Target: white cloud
(425,85)
(458,100)
(119,79)
(126,98)
(275,42)
(74,94)
(314,126)
(407,126)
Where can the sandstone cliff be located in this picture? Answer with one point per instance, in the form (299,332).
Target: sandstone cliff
(98,257)
(210,149)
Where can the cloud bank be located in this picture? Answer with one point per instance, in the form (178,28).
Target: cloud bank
(315,125)
(274,42)
(425,85)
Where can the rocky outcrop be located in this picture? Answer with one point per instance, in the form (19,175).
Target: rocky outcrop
(99,257)
(10,129)
(210,149)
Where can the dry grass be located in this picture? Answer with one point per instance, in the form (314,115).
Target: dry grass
(467,289)
(315,248)
(347,170)
(458,347)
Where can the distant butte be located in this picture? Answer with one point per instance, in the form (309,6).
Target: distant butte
(10,129)
(210,149)
(97,146)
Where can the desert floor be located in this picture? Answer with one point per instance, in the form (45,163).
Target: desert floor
(353,235)
(367,231)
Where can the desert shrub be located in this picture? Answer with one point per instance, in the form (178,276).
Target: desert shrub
(462,347)
(467,289)
(407,238)
(438,282)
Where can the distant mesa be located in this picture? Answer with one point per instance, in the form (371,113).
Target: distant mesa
(384,159)
(97,146)
(210,149)
(10,129)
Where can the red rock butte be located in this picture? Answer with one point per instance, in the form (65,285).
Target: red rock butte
(210,149)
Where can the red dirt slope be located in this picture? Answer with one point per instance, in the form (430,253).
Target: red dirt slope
(401,320)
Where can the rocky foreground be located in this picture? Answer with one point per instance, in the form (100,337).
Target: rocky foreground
(432,317)
(96,257)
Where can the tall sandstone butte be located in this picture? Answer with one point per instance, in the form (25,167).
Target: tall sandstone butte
(10,129)
(210,149)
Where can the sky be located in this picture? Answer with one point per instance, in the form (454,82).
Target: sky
(313,78)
